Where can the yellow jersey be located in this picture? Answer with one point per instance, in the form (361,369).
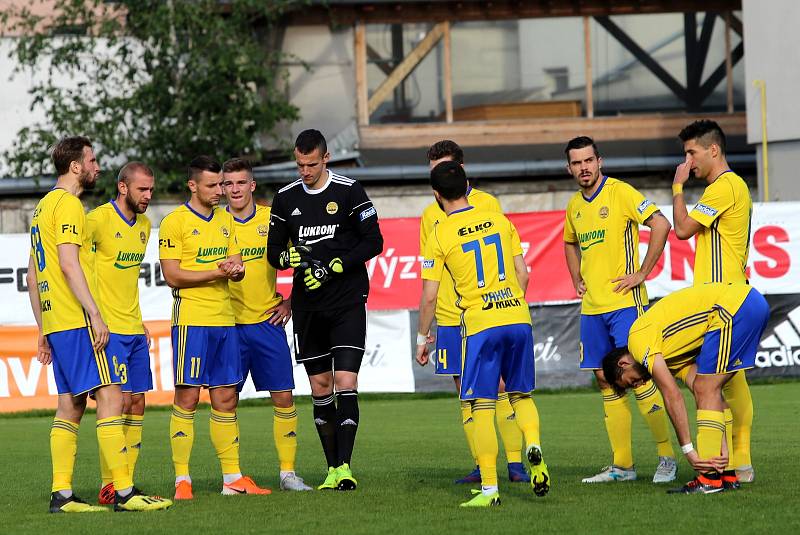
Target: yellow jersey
(606,227)
(200,243)
(676,325)
(114,247)
(257,292)
(723,244)
(447,313)
(478,249)
(57,219)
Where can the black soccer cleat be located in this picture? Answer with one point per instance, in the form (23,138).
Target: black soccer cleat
(73,504)
(699,485)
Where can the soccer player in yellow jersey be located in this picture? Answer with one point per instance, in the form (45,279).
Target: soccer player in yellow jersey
(601,243)
(483,253)
(73,335)
(721,222)
(704,335)
(261,313)
(447,356)
(114,246)
(199,255)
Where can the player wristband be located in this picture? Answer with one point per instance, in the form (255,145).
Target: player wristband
(687,448)
(422,339)
(677,189)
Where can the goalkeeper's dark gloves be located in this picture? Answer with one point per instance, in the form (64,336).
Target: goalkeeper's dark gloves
(295,256)
(318,273)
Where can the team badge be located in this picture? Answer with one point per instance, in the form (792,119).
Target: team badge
(142,237)
(332,208)
(225,232)
(262,230)
(604,212)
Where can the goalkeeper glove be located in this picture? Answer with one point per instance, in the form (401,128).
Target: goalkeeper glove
(318,273)
(295,256)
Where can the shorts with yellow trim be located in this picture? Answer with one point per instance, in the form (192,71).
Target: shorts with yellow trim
(505,351)
(205,356)
(77,368)
(447,359)
(602,333)
(733,347)
(130,356)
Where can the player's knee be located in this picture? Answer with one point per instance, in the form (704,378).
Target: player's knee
(187,397)
(137,404)
(71,408)
(282,400)
(346,381)
(601,380)
(224,399)
(109,399)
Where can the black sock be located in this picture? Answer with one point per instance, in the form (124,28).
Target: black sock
(347,420)
(325,420)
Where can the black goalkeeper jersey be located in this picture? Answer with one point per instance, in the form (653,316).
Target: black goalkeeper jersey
(336,221)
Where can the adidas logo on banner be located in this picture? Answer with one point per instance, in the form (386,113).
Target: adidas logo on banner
(782,347)
(296,211)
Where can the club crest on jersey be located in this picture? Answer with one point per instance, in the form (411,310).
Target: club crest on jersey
(603,212)
(225,232)
(332,208)
(142,237)
(262,230)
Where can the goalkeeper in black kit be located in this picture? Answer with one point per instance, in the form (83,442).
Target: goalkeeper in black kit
(324,226)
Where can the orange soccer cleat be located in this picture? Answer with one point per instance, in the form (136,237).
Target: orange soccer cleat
(183,490)
(106,496)
(243,485)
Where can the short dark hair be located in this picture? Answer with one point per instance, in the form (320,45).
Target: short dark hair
(444,148)
(133,167)
(203,163)
(581,142)
(449,180)
(234,165)
(68,150)
(309,140)
(705,132)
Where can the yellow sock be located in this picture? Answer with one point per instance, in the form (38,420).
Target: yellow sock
(111,440)
(651,405)
(618,427)
(225,437)
(181,432)
(486,446)
(729,438)
(509,430)
(710,428)
(63,448)
(105,472)
(132,428)
(737,394)
(469,428)
(284,431)
(527,417)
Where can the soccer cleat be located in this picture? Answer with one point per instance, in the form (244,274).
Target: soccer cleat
(745,474)
(472,477)
(610,474)
(730,481)
(699,485)
(138,501)
(516,473)
(183,490)
(667,470)
(345,479)
(106,496)
(294,482)
(73,504)
(540,477)
(481,500)
(243,485)
(330,480)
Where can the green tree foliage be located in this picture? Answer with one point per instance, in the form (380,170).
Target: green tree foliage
(156,80)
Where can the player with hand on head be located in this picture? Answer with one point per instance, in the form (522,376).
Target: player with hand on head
(482,252)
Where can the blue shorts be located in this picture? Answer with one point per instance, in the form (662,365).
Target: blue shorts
(505,351)
(447,359)
(602,333)
(78,369)
(131,355)
(265,356)
(734,346)
(205,356)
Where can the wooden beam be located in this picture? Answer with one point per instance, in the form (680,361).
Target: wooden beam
(447,75)
(379,61)
(405,67)
(587,66)
(360,59)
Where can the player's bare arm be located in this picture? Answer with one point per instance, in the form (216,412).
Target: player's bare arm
(573,255)
(71,268)
(659,231)
(281,313)
(685,226)
(427,309)
(521,269)
(43,354)
(184,278)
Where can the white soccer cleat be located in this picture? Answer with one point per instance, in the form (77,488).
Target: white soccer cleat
(667,470)
(294,482)
(745,474)
(610,474)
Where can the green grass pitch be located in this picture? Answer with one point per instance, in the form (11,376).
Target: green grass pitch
(408,452)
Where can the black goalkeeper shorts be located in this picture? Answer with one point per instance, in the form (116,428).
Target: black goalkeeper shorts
(334,339)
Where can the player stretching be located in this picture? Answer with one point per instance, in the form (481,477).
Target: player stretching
(73,335)
(704,335)
(261,312)
(334,217)
(115,242)
(447,356)
(199,254)
(483,253)
(721,222)
(601,243)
